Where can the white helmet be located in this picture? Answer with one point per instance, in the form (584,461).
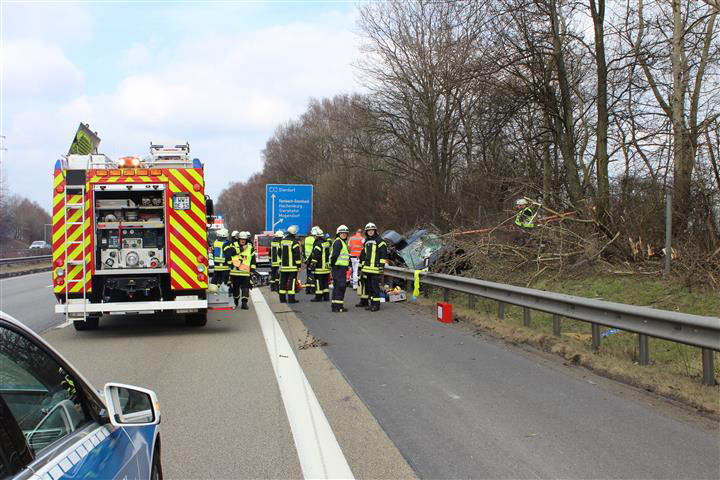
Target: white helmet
(279,233)
(318,232)
(235,233)
(370,226)
(342,229)
(244,235)
(222,233)
(521,202)
(292,229)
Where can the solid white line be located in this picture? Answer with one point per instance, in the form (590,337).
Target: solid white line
(318,450)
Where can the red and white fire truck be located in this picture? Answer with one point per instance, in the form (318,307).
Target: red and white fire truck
(130,236)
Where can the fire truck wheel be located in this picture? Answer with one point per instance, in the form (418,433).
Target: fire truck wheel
(91,323)
(196,319)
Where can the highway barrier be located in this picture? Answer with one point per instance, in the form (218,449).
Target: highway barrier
(36,258)
(695,330)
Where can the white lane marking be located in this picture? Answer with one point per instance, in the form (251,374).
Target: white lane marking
(65,324)
(318,450)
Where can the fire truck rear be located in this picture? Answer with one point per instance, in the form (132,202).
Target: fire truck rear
(130,236)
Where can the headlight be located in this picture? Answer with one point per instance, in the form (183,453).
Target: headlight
(201,268)
(132,259)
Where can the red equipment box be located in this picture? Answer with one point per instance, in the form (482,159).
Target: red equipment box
(444,312)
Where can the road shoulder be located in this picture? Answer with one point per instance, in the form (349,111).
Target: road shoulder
(367,448)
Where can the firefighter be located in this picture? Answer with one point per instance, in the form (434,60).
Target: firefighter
(321,266)
(525,218)
(373,259)
(241,255)
(221,269)
(290,259)
(339,261)
(275,261)
(308,245)
(355,244)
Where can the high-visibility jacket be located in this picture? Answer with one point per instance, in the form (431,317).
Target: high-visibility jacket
(356,245)
(524,218)
(241,259)
(290,254)
(340,255)
(321,256)
(374,255)
(275,252)
(219,256)
(309,243)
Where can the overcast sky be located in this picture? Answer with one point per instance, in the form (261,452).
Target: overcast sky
(220,75)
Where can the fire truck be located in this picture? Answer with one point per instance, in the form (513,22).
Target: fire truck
(130,236)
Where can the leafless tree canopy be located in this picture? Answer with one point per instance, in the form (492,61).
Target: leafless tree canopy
(594,106)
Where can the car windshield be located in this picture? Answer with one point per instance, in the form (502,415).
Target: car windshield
(415,254)
(38,243)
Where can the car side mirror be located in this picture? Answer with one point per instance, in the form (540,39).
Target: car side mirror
(131,406)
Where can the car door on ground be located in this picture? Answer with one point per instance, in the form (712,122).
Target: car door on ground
(50,420)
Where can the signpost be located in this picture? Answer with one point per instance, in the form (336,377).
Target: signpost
(287,205)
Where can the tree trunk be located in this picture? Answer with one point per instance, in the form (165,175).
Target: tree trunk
(602,201)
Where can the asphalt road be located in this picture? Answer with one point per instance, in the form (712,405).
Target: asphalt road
(459,405)
(29,298)
(403,394)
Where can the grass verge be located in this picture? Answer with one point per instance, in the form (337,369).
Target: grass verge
(675,370)
(21,269)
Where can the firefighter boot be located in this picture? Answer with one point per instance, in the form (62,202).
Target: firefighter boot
(335,308)
(326,297)
(318,298)
(363,303)
(244,304)
(375,306)
(291,298)
(282,298)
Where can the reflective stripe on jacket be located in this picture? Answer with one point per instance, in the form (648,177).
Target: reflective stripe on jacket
(309,243)
(524,218)
(321,256)
(356,245)
(290,255)
(374,255)
(340,256)
(275,253)
(245,258)
(219,256)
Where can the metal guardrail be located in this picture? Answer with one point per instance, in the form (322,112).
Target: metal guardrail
(695,330)
(10,261)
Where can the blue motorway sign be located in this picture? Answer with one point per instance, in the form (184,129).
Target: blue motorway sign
(287,205)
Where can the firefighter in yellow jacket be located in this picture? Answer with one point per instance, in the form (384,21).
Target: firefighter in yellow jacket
(220,269)
(339,261)
(240,255)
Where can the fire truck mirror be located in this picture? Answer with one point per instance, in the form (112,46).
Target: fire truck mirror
(209,207)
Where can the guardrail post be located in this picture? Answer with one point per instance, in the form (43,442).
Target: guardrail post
(595,336)
(446,294)
(556,325)
(644,349)
(708,367)
(501,310)
(471,301)
(526,316)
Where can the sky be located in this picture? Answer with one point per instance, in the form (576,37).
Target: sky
(220,75)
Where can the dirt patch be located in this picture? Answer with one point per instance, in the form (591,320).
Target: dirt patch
(311,342)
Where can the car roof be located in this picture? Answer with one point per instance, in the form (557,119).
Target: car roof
(18,324)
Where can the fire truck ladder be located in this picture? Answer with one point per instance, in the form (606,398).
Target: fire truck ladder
(69,208)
